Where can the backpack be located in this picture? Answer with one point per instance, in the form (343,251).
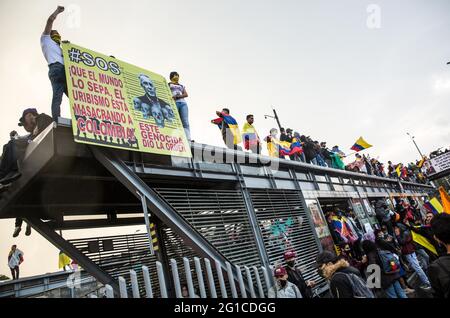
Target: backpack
(359,287)
(390,264)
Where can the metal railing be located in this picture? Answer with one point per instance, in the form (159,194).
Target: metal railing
(258,281)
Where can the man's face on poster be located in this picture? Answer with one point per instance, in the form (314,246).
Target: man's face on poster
(168,113)
(137,104)
(158,115)
(146,110)
(147,85)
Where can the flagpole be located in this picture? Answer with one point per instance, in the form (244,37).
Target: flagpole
(412,138)
(274,117)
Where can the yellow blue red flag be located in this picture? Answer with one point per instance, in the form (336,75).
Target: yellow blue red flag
(360,144)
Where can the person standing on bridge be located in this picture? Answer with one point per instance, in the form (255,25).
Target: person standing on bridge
(15,258)
(34,123)
(250,136)
(179,94)
(229,128)
(50,44)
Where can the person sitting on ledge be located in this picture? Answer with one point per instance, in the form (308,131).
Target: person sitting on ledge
(34,123)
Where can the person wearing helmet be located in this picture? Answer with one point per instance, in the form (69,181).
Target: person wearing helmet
(295,276)
(283,288)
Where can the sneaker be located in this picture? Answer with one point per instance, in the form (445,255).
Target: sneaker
(28,230)
(17,231)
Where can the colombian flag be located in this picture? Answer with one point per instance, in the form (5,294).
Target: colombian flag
(250,136)
(434,206)
(360,144)
(421,237)
(278,148)
(294,147)
(232,126)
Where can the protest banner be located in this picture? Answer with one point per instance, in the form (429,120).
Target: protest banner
(119,105)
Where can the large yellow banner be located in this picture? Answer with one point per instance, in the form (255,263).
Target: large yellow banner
(119,105)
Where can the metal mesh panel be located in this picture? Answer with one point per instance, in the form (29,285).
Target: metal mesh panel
(128,252)
(221,217)
(284,226)
(176,249)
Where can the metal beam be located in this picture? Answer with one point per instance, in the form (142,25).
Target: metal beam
(158,206)
(70,250)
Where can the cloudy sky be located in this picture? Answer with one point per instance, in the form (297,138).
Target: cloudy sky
(334,70)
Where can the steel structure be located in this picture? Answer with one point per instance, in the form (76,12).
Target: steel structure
(224,205)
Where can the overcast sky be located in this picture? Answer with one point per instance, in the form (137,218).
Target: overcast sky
(334,70)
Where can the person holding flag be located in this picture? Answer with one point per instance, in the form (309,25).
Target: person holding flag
(280,149)
(250,136)
(229,128)
(273,144)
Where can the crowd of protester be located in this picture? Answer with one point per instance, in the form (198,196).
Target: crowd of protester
(407,266)
(288,144)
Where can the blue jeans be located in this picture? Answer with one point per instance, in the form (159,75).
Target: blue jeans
(395,290)
(57,76)
(314,162)
(320,161)
(184,115)
(414,263)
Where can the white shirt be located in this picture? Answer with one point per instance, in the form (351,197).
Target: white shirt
(15,258)
(177,89)
(52,51)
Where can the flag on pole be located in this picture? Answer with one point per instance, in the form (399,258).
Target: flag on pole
(421,162)
(445,198)
(360,144)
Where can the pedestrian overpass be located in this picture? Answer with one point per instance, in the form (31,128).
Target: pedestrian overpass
(224,205)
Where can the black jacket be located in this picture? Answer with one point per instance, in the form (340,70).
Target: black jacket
(296,278)
(439,274)
(309,150)
(325,153)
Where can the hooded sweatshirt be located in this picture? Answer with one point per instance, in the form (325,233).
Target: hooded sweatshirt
(340,285)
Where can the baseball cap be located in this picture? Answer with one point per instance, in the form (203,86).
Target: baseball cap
(25,112)
(289,255)
(279,272)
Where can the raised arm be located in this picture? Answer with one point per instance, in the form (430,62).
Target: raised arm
(49,25)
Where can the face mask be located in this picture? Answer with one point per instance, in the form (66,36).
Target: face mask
(283,283)
(56,38)
(291,263)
